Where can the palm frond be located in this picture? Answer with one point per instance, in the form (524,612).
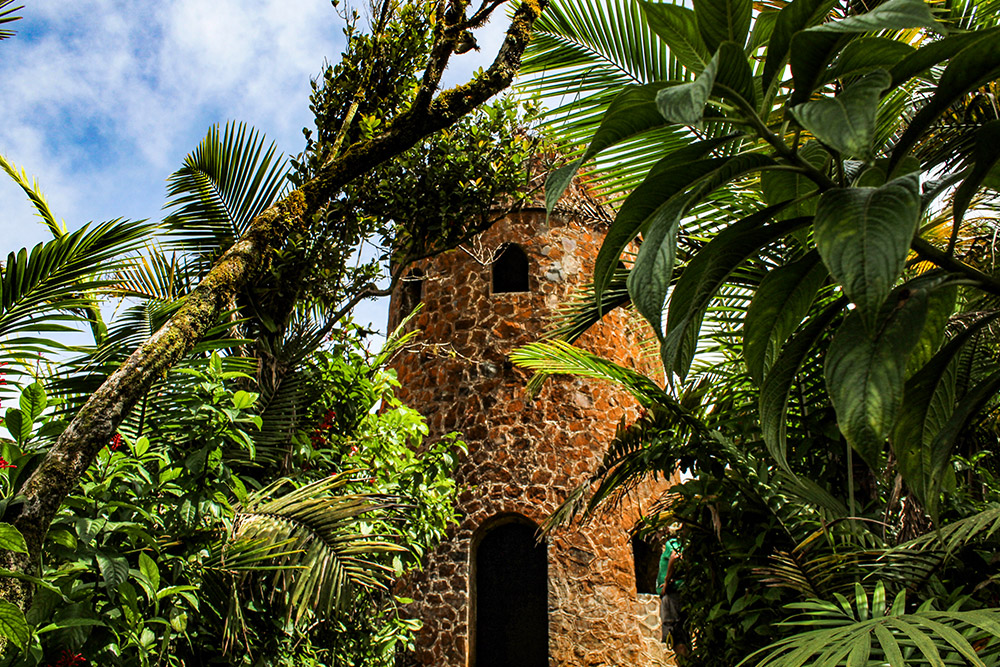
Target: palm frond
(224,184)
(30,187)
(556,357)
(46,290)
(321,523)
(7,16)
(868,631)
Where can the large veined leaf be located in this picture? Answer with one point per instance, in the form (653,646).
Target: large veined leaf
(685,103)
(704,275)
(11,539)
(865,374)
(783,299)
(938,51)
(13,624)
(678,27)
(723,21)
(810,54)
(971,68)
(793,17)
(649,279)
(669,177)
(866,54)
(224,184)
(777,384)
(632,112)
(734,80)
(928,400)
(781,185)
(114,569)
(846,122)
(864,235)
(891,15)
(940,308)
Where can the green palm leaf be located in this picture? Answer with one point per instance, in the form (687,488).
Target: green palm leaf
(321,523)
(224,184)
(7,16)
(45,290)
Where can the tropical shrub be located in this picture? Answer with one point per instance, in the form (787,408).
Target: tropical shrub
(816,265)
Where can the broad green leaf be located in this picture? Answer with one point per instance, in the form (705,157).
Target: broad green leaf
(779,185)
(723,21)
(705,274)
(11,539)
(810,53)
(974,66)
(244,399)
(149,569)
(777,384)
(649,280)
(763,30)
(891,15)
(985,158)
(778,307)
(670,176)
(866,54)
(678,27)
(846,122)
(685,103)
(735,74)
(864,235)
(940,307)
(865,375)
(114,569)
(792,18)
(936,52)
(17,425)
(632,112)
(557,181)
(33,400)
(13,624)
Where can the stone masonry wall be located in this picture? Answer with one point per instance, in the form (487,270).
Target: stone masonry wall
(525,454)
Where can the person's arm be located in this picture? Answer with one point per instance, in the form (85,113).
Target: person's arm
(675,556)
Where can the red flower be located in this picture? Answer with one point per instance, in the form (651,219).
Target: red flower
(5,464)
(67,659)
(116,442)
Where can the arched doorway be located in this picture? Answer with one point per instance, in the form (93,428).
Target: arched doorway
(510,597)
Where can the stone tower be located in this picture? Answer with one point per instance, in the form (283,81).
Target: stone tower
(490,595)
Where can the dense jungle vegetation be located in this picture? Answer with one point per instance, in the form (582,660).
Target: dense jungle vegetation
(811,187)
(814,189)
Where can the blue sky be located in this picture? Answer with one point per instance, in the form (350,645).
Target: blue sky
(102,99)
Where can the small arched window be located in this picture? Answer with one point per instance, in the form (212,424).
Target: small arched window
(411,293)
(510,269)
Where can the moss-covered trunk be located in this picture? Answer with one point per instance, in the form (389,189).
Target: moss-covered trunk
(99,418)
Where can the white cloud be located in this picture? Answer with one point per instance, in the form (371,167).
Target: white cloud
(103,98)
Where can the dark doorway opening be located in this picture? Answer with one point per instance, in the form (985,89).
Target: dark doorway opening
(646,558)
(511,598)
(510,269)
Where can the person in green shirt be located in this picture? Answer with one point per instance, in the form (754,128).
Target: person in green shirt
(669,584)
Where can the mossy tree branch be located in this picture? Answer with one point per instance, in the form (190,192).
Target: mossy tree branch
(98,420)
